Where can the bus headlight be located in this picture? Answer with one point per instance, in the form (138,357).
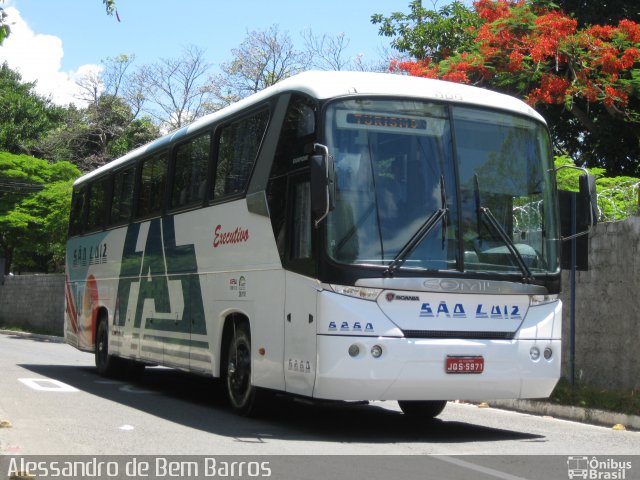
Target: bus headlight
(376,351)
(357,292)
(542,299)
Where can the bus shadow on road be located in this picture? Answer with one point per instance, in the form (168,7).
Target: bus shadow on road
(200,403)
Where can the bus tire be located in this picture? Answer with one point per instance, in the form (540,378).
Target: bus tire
(425,409)
(107,365)
(242,394)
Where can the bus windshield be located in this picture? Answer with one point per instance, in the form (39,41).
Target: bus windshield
(428,186)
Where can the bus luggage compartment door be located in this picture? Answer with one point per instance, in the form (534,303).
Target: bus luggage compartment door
(300,334)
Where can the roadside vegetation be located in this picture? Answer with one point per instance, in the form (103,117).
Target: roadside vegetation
(586,396)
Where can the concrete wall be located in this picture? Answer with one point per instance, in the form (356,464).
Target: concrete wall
(607,307)
(33,302)
(607,314)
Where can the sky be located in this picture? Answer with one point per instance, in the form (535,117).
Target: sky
(56,42)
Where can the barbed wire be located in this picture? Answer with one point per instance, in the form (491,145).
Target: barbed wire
(618,202)
(614,204)
(528,217)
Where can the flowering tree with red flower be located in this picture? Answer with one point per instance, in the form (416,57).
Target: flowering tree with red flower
(586,77)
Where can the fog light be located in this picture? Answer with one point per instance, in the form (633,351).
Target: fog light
(548,353)
(376,351)
(535,353)
(354,350)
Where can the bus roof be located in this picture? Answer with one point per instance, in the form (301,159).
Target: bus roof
(329,84)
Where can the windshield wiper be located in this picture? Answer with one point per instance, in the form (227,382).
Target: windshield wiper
(481,212)
(422,232)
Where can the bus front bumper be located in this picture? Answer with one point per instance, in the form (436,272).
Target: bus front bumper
(414,369)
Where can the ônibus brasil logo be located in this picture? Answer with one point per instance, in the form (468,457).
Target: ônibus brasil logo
(596,468)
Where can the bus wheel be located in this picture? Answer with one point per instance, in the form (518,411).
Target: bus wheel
(106,364)
(425,409)
(242,395)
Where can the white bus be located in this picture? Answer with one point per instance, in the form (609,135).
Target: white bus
(339,236)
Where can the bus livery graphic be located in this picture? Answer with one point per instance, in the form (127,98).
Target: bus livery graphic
(161,266)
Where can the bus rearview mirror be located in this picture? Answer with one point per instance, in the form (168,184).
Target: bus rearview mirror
(585,203)
(587,200)
(323,185)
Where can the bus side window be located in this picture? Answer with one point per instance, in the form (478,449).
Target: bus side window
(153,179)
(190,174)
(238,148)
(98,197)
(122,199)
(78,210)
(297,135)
(298,132)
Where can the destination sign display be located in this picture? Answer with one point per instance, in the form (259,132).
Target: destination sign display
(377,120)
(388,122)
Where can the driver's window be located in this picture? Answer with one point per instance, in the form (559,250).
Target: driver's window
(296,138)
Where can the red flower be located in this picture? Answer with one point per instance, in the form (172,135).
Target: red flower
(553,89)
(630,29)
(629,57)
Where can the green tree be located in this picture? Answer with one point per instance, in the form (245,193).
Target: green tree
(90,137)
(4,28)
(424,33)
(617,196)
(25,116)
(35,198)
(110,6)
(109,126)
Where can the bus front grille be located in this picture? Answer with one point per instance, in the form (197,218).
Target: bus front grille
(459,334)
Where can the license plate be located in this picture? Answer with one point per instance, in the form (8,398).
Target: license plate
(464,365)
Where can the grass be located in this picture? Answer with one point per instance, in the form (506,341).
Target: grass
(22,329)
(13,328)
(587,396)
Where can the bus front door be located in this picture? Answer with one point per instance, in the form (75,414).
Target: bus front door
(300,334)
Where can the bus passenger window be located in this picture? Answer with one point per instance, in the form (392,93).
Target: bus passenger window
(121,201)
(238,148)
(97,204)
(190,178)
(152,185)
(78,209)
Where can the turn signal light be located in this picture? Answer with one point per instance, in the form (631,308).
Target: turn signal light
(534,353)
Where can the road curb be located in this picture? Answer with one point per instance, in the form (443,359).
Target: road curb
(579,414)
(35,336)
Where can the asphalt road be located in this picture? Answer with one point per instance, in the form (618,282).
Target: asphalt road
(58,405)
